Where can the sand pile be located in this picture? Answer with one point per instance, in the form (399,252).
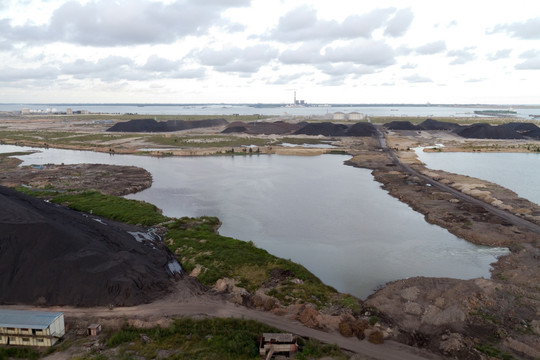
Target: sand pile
(55,256)
(151,125)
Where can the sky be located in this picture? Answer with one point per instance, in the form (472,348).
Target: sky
(262,51)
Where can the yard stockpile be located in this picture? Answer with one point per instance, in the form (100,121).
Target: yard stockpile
(514,130)
(302,128)
(151,125)
(51,255)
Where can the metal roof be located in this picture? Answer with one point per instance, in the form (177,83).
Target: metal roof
(27,319)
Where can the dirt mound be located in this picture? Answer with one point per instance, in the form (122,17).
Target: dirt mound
(325,129)
(151,125)
(486,131)
(430,124)
(401,125)
(51,255)
(361,129)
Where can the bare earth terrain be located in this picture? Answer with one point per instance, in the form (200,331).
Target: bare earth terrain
(448,317)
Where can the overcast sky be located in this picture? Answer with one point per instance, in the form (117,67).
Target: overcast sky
(234,51)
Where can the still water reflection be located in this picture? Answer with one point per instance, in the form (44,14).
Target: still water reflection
(331,218)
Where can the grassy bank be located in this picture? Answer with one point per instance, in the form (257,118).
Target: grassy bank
(196,243)
(227,339)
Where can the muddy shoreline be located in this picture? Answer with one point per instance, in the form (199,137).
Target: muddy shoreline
(448,316)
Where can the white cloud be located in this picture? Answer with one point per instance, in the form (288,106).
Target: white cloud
(462,56)
(399,24)
(303,24)
(529,29)
(431,48)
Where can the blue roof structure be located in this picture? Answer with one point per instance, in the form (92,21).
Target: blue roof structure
(27,319)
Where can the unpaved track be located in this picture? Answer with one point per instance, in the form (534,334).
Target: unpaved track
(511,218)
(208,306)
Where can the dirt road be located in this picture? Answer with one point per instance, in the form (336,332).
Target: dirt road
(511,218)
(213,306)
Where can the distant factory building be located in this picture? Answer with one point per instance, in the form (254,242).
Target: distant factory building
(339,116)
(69,112)
(25,111)
(31,328)
(356,116)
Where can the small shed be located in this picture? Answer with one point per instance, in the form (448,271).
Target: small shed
(31,328)
(94,329)
(277,343)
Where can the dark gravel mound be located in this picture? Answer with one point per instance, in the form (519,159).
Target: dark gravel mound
(520,127)
(325,129)
(430,124)
(236,127)
(361,129)
(535,134)
(486,131)
(51,255)
(266,128)
(151,125)
(401,125)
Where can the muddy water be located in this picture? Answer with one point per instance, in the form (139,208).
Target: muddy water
(331,218)
(515,171)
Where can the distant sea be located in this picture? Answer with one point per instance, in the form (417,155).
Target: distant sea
(523,111)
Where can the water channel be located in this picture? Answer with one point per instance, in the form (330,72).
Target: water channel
(333,219)
(518,172)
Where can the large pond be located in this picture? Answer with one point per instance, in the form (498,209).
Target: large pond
(331,218)
(518,172)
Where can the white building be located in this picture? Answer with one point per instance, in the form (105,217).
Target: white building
(339,116)
(31,328)
(356,116)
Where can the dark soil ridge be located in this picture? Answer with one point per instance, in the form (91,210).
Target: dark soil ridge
(151,125)
(514,130)
(50,255)
(281,128)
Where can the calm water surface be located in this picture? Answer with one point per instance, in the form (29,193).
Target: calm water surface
(331,218)
(518,172)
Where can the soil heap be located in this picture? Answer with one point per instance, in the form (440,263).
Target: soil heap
(50,255)
(151,125)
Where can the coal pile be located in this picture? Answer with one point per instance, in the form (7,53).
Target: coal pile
(325,129)
(401,125)
(151,125)
(430,124)
(361,129)
(486,131)
(51,255)
(263,128)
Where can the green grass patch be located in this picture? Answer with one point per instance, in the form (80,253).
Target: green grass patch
(204,141)
(19,353)
(196,241)
(218,338)
(492,351)
(113,207)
